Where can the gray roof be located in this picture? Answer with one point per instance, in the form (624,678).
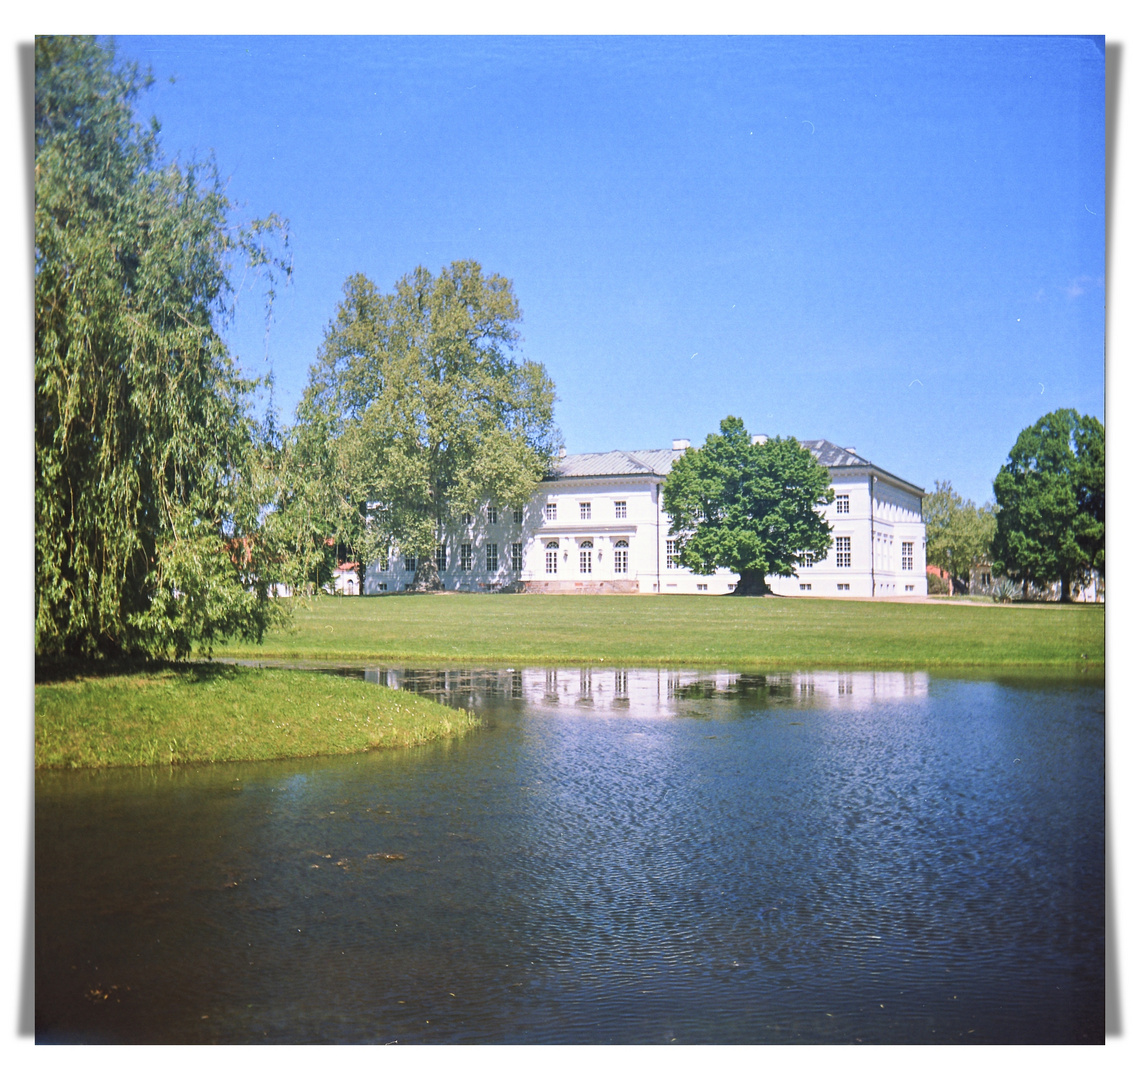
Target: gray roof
(827,453)
(659,462)
(616,463)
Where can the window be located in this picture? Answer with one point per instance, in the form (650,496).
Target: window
(552,511)
(619,509)
(909,588)
(621,557)
(552,557)
(843,504)
(805,560)
(843,551)
(384,563)
(672,554)
(702,588)
(804,587)
(516,558)
(492,515)
(383,586)
(410,563)
(846,587)
(464,556)
(492,557)
(908,554)
(441,557)
(517,514)
(586,557)
(584,511)
(468,517)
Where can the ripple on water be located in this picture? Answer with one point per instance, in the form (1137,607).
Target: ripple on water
(644,858)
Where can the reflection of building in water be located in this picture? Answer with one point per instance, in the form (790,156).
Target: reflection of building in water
(650,691)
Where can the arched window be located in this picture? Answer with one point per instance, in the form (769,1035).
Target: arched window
(586,557)
(552,557)
(621,557)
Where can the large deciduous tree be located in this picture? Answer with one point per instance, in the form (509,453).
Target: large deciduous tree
(424,411)
(958,533)
(146,532)
(1051,505)
(753,507)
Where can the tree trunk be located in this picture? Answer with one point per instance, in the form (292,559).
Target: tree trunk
(752,583)
(426,577)
(1066,589)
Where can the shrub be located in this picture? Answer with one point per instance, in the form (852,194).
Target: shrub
(1005,592)
(936,586)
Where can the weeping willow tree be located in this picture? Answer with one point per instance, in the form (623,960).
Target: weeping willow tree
(418,409)
(146,459)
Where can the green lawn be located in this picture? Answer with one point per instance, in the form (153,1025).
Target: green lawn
(738,632)
(213,712)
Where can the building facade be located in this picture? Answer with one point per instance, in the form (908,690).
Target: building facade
(596,524)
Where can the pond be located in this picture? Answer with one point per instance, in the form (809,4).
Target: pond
(615,857)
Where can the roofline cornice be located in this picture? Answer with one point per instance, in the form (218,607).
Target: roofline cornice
(862,467)
(882,474)
(602,476)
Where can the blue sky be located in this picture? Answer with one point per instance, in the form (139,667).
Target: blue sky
(893,243)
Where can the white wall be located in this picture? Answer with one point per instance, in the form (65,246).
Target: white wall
(645,528)
(479,534)
(897,519)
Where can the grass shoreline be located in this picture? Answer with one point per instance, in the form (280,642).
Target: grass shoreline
(179,714)
(212,712)
(706,632)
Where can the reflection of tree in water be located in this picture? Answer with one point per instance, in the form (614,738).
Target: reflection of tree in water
(755,689)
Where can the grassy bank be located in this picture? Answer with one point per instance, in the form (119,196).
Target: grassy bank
(740,632)
(211,712)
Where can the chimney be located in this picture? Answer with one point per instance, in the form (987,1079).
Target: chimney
(759,439)
(680,444)
(562,452)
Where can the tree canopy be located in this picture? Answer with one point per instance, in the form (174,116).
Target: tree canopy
(752,507)
(1051,503)
(958,533)
(146,532)
(419,409)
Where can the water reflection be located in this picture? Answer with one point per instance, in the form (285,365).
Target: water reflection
(616,856)
(644,693)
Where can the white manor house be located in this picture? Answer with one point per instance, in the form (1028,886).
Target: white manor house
(596,525)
